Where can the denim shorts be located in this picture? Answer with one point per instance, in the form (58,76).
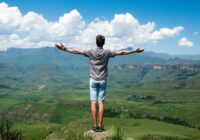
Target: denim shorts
(97,89)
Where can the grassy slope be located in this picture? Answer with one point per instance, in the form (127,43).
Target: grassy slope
(135,128)
(42,117)
(65,95)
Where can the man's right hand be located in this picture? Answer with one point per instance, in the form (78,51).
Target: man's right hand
(61,46)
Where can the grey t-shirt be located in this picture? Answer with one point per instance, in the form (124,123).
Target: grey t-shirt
(98,62)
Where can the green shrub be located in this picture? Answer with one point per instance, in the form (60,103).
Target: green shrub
(160,137)
(117,134)
(7,134)
(74,136)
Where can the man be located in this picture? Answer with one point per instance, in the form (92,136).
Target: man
(98,73)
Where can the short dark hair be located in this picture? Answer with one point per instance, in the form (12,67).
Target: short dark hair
(100,40)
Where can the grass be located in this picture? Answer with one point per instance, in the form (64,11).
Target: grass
(137,128)
(61,106)
(116,134)
(162,137)
(46,113)
(37,131)
(134,128)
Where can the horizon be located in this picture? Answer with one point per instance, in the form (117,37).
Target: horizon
(154,26)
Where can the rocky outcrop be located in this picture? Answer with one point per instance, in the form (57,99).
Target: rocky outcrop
(98,135)
(188,67)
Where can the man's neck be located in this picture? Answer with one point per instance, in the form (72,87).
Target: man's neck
(99,47)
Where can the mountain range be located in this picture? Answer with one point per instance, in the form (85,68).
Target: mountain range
(53,55)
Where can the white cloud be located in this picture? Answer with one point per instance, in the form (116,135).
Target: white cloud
(10,18)
(34,27)
(185,42)
(69,24)
(32,30)
(165,32)
(123,25)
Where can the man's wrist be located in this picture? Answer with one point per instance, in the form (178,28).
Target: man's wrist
(64,49)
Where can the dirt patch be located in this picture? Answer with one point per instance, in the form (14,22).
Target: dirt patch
(40,87)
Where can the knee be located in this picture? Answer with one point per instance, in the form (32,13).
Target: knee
(100,102)
(93,103)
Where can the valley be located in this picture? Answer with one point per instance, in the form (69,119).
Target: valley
(46,92)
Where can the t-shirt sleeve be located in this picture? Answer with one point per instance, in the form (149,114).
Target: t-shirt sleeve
(86,53)
(111,53)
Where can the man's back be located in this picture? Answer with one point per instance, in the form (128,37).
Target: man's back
(98,62)
(98,72)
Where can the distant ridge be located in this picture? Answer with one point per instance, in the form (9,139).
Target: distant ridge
(168,56)
(52,54)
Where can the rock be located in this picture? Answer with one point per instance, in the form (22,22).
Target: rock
(129,138)
(98,135)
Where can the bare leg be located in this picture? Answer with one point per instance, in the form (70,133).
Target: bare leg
(93,112)
(101,111)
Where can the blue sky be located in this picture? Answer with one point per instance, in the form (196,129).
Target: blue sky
(165,14)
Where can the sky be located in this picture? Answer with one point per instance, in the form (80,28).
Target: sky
(165,26)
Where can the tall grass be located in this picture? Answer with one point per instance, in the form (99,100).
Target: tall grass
(160,137)
(71,135)
(116,134)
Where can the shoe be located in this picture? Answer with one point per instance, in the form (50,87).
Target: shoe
(101,128)
(95,129)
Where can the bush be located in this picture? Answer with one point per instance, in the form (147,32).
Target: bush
(74,136)
(7,134)
(116,135)
(160,137)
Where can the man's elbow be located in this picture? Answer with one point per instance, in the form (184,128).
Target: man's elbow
(123,53)
(77,52)
(119,53)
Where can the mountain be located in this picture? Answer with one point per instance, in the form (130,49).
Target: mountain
(37,68)
(54,56)
(47,90)
(167,56)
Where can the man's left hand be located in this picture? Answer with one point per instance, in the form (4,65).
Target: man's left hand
(139,50)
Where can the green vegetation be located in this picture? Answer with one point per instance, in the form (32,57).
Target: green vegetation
(117,134)
(160,137)
(45,94)
(74,136)
(7,134)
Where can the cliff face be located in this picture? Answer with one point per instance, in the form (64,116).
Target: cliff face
(188,67)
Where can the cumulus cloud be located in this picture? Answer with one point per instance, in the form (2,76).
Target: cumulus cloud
(10,18)
(165,32)
(32,30)
(185,42)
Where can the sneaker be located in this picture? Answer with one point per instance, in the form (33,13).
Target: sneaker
(95,129)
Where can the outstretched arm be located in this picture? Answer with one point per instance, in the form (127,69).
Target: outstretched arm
(63,48)
(138,50)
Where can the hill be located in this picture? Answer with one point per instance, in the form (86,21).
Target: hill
(45,91)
